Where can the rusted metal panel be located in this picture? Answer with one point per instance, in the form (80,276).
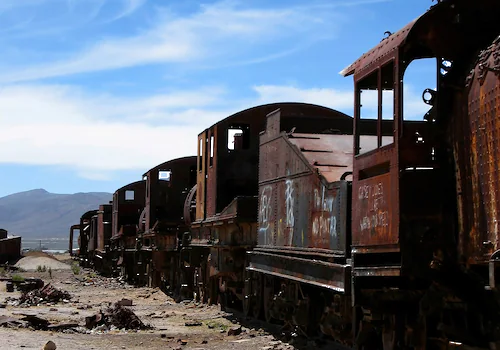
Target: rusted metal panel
(372,212)
(201,178)
(330,154)
(10,249)
(482,236)
(318,273)
(211,159)
(104,226)
(379,53)
(299,204)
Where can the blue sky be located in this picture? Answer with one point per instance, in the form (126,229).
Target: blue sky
(93,93)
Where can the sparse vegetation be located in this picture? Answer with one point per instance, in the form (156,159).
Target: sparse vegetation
(41,268)
(50,272)
(75,268)
(17,278)
(217,324)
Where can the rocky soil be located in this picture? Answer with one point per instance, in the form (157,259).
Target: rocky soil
(169,325)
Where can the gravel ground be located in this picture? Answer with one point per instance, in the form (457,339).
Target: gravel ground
(91,293)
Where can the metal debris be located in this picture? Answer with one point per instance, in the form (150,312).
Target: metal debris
(117,316)
(47,294)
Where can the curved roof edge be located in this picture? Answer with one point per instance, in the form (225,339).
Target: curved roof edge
(386,46)
(89,213)
(132,184)
(278,105)
(169,161)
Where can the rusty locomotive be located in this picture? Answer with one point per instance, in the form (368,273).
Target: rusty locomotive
(380,231)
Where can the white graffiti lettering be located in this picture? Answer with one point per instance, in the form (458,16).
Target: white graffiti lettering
(324,222)
(290,220)
(265,208)
(380,219)
(376,215)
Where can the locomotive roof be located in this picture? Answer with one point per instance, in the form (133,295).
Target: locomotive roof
(279,105)
(89,214)
(131,185)
(448,29)
(386,46)
(168,162)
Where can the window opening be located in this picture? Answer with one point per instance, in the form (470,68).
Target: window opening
(200,154)
(212,150)
(419,109)
(419,86)
(238,137)
(375,103)
(164,175)
(388,112)
(129,195)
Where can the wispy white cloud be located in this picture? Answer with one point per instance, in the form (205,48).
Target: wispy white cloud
(129,7)
(217,30)
(98,134)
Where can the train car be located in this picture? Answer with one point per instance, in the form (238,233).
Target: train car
(224,222)
(84,238)
(301,264)
(101,228)
(163,224)
(128,204)
(424,205)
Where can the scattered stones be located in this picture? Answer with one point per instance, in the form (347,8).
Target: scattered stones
(50,345)
(192,323)
(125,302)
(234,331)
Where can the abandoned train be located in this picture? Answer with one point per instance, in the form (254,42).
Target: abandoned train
(379,230)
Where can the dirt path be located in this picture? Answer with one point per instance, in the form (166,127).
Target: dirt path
(175,325)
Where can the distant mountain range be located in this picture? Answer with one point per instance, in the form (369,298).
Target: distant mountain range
(40,214)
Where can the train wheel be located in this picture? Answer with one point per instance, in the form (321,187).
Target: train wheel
(268,296)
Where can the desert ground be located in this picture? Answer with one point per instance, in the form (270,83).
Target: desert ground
(169,325)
